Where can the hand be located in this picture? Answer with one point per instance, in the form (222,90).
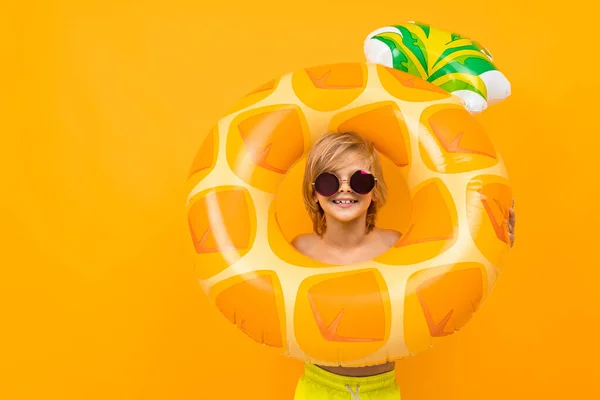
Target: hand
(511,223)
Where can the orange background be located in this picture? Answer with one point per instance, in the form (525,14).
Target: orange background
(104,106)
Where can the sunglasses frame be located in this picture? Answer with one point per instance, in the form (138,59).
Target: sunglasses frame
(344,180)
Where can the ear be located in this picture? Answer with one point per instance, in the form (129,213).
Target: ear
(373,205)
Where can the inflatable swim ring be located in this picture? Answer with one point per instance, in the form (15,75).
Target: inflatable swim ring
(449,195)
(453,62)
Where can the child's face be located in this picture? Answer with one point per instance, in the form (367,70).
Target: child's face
(345,204)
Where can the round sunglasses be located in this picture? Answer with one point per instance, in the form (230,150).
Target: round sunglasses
(327,184)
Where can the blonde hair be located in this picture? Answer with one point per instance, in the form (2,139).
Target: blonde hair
(330,152)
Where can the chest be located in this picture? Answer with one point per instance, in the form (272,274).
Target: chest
(360,254)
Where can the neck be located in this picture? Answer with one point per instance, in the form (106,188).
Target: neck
(345,234)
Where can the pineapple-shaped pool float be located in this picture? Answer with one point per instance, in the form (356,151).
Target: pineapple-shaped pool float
(449,195)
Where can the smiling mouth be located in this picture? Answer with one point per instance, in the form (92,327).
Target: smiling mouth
(345,201)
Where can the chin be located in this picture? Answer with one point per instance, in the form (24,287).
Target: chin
(346,215)
(344,218)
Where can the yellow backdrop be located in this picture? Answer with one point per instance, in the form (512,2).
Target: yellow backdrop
(104,104)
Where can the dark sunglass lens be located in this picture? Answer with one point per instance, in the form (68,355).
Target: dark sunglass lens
(326,184)
(362,182)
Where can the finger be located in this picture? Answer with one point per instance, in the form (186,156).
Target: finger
(511,216)
(511,236)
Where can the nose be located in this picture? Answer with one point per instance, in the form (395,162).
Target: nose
(344,186)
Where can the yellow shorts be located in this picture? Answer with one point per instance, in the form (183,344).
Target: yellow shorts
(318,384)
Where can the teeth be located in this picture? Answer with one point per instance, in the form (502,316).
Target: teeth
(344,201)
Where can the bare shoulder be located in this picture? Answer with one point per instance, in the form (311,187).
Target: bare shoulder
(303,243)
(388,236)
